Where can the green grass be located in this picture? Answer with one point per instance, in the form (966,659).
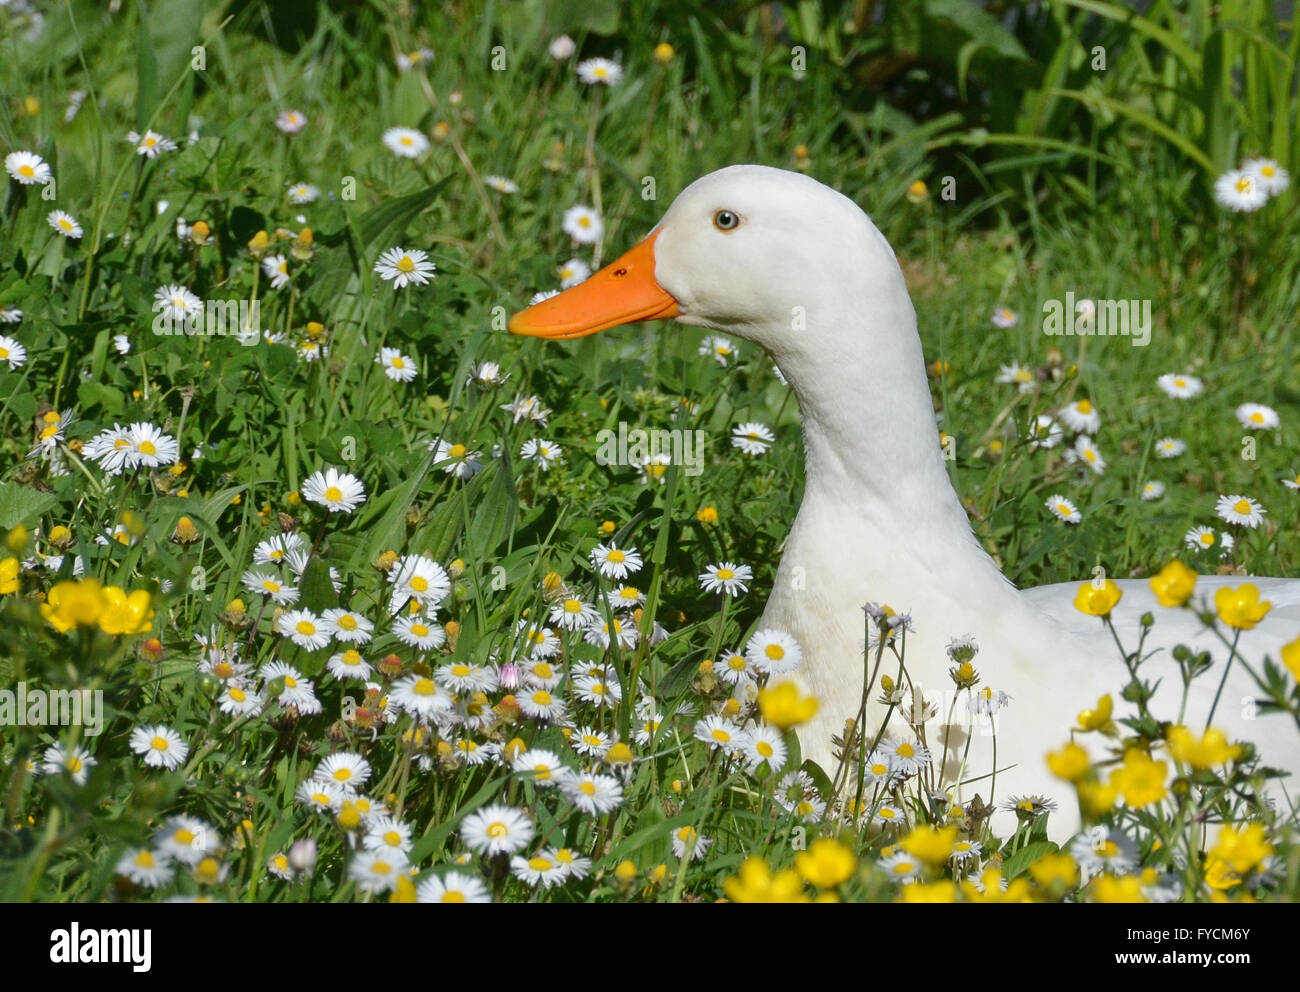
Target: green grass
(1141,226)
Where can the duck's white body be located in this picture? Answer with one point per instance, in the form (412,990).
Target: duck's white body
(805,274)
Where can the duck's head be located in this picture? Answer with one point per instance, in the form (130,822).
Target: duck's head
(769,255)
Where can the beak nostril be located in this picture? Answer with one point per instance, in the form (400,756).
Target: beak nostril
(620,273)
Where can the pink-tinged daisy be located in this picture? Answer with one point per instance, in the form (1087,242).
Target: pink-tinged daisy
(160,746)
(1257,417)
(593,71)
(583,225)
(496,829)
(406,142)
(561,47)
(290,121)
(727,577)
(1240,510)
(28,168)
(338,492)
(150,144)
(402,266)
(1002,317)
(398,367)
(752,438)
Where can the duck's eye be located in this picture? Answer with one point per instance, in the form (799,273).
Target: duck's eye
(725,220)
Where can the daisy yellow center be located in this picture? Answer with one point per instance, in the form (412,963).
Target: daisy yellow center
(180,302)
(804,807)
(1244,184)
(238,694)
(65,223)
(1207,539)
(572,606)
(159,743)
(906,750)
(1257,418)
(460,671)
(879,769)
(270,585)
(542,771)
(887,814)
(720,735)
(588,788)
(1242,506)
(392,838)
(630,592)
(764,748)
(223,669)
(1026,804)
(539,864)
(342,774)
(348,621)
(351,657)
(1084,407)
(419,630)
(1063,509)
(1108,849)
(290,682)
(722,349)
(419,583)
(544,451)
(120,443)
(405,264)
(726,573)
(4,352)
(184,836)
(1022,375)
(904,868)
(26,171)
(147,448)
(333,494)
(406,140)
(306,628)
(1089,454)
(50,431)
(736,663)
(423,687)
(1267,170)
(774,652)
(586,221)
(398,363)
(616,556)
(144,860)
(150,141)
(381,868)
(456,451)
(320,798)
(73,764)
(542,670)
(1180,383)
(542,697)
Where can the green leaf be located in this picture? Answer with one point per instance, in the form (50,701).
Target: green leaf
(317,589)
(1027,855)
(20,505)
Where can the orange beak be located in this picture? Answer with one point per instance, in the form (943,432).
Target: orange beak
(623,292)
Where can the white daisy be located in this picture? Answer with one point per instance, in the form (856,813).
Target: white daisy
(1257,417)
(75,762)
(900,866)
(501,184)
(614,562)
(452,887)
(64,224)
(541,869)
(239,700)
(290,121)
(1002,317)
(592,742)
(1293,482)
(1239,191)
(456,459)
(773,652)
(543,768)
(544,453)
(1153,490)
(721,349)
(573,614)
(268,584)
(593,793)
(1200,538)
(1179,386)
(1088,453)
(28,168)
(719,732)
(583,225)
(601,633)
(1240,510)
(594,71)
(540,704)
(336,491)
(1017,375)
(303,193)
(752,438)
(397,366)
(487,375)
(177,303)
(689,844)
(765,746)
(573,272)
(734,669)
(1046,432)
(419,632)
(121,344)
(12,353)
(1270,176)
(1170,447)
(10,315)
(1064,509)
(349,665)
(389,834)
(527,408)
(160,746)
(496,829)
(400,267)
(727,577)
(187,839)
(377,871)
(304,628)
(150,144)
(406,142)
(347,626)
(420,578)
(276,268)
(346,769)
(273,550)
(1081,416)
(320,795)
(420,696)
(145,868)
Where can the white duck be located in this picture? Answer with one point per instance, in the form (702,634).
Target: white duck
(796,267)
